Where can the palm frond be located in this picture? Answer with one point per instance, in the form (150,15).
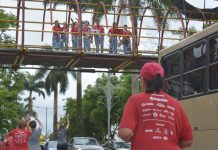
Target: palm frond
(41,72)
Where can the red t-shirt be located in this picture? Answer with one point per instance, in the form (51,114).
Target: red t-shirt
(1,145)
(20,138)
(157,120)
(9,145)
(115,31)
(56,29)
(75,29)
(64,29)
(99,27)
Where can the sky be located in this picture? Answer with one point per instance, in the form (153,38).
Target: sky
(87,78)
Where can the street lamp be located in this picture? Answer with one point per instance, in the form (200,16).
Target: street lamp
(108,91)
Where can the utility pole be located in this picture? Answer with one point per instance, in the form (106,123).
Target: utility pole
(204,8)
(46,122)
(110,102)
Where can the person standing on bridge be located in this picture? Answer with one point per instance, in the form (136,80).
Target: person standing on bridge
(113,33)
(126,42)
(99,36)
(64,35)
(87,37)
(75,36)
(56,40)
(152,119)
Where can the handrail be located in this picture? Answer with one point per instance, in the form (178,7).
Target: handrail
(28,46)
(36,22)
(12,29)
(149,16)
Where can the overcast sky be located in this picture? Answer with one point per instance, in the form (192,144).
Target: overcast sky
(88,78)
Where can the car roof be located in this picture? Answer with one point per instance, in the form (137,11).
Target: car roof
(83,138)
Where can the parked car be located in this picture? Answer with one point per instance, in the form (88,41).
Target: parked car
(51,145)
(84,143)
(116,145)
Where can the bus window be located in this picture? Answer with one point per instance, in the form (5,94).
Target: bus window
(171,64)
(173,87)
(214,50)
(193,82)
(213,77)
(194,57)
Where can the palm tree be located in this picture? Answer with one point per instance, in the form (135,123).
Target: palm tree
(55,78)
(31,84)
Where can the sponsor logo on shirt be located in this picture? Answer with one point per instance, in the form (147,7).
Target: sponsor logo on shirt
(162,116)
(166,111)
(171,118)
(165,138)
(149,130)
(145,115)
(171,107)
(157,110)
(160,124)
(158,99)
(147,104)
(155,115)
(157,137)
(146,110)
(161,105)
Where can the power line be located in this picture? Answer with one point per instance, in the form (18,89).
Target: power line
(42,107)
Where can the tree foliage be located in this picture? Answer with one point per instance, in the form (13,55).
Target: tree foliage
(4,37)
(11,85)
(94,106)
(191,30)
(31,84)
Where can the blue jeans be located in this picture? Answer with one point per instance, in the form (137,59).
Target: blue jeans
(99,41)
(86,43)
(56,41)
(75,43)
(113,45)
(64,41)
(127,48)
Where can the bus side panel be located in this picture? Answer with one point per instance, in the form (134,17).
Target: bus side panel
(206,140)
(188,106)
(206,112)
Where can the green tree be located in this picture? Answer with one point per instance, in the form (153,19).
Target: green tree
(94,106)
(31,84)
(11,85)
(4,37)
(55,78)
(191,30)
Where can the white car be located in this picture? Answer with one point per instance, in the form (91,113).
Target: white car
(117,145)
(84,143)
(51,145)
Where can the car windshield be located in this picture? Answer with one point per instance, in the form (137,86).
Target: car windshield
(85,141)
(52,144)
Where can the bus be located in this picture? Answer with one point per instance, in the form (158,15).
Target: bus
(191,74)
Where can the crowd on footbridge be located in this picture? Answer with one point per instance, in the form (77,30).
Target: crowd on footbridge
(82,36)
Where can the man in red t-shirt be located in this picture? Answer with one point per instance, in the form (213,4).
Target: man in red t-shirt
(152,119)
(126,40)
(56,40)
(20,135)
(98,35)
(75,36)
(113,33)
